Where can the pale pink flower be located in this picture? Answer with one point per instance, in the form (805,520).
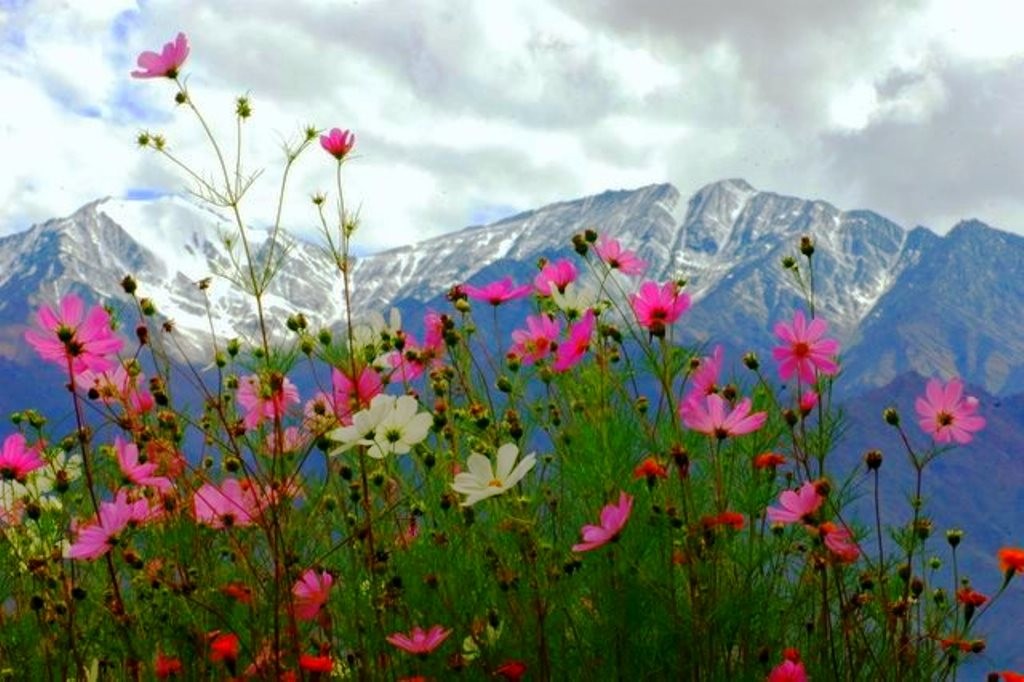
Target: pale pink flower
(704,380)
(804,349)
(613,519)
(788,671)
(796,506)
(709,416)
(558,275)
(617,258)
(839,541)
(572,350)
(261,400)
(658,307)
(536,341)
(95,539)
(311,592)
(136,472)
(164,64)
(418,641)
(118,387)
(498,292)
(408,364)
(226,506)
(945,413)
(338,143)
(292,440)
(84,337)
(351,396)
(17,460)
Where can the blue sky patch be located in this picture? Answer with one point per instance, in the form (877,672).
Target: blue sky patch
(482,215)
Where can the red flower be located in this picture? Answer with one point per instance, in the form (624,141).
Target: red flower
(224,647)
(969,597)
(166,666)
(316,664)
(166,63)
(650,468)
(338,143)
(1010,676)
(511,670)
(240,592)
(1011,560)
(768,460)
(726,518)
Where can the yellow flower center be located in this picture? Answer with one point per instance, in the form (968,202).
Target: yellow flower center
(495,483)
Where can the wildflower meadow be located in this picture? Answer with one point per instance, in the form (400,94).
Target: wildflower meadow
(577,497)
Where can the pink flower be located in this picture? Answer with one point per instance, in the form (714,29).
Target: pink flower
(85,338)
(572,350)
(947,414)
(265,399)
(311,592)
(351,396)
(338,143)
(165,64)
(226,506)
(292,440)
(419,642)
(498,292)
(136,472)
(95,539)
(788,671)
(839,542)
(804,350)
(704,380)
(117,386)
(709,417)
(658,307)
(808,401)
(558,275)
(796,506)
(537,340)
(18,460)
(617,258)
(613,519)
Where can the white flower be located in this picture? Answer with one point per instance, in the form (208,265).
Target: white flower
(390,425)
(482,481)
(576,300)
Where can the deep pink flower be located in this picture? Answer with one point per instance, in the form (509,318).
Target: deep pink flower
(808,401)
(17,460)
(613,519)
(947,414)
(262,400)
(227,506)
(796,506)
(498,292)
(338,143)
(311,592)
(95,539)
(537,340)
(658,307)
(572,350)
(617,258)
(86,338)
(351,396)
(558,275)
(804,349)
(166,63)
(136,472)
(419,642)
(788,671)
(709,416)
(839,542)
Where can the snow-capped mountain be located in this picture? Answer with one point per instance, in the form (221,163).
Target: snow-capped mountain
(898,300)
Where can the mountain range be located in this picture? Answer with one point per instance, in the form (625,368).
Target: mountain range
(905,304)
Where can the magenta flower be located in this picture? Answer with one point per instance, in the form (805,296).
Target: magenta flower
(166,63)
(311,592)
(796,506)
(657,307)
(804,349)
(419,642)
(136,472)
(227,506)
(572,350)
(351,396)
(96,539)
(613,519)
(338,143)
(704,380)
(947,414)
(498,292)
(18,460)
(709,417)
(788,671)
(265,400)
(537,340)
(84,338)
(558,275)
(839,541)
(617,258)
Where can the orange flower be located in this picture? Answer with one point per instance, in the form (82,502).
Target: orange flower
(1010,676)
(726,518)
(1011,560)
(969,597)
(769,460)
(650,469)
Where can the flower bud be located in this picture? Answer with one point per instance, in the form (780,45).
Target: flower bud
(954,536)
(324,337)
(891,416)
(873,459)
(751,362)
(590,235)
(788,262)
(243,107)
(180,97)
(806,246)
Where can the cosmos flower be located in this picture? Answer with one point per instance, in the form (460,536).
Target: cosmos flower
(483,480)
(617,258)
(338,143)
(164,64)
(17,460)
(1011,560)
(709,417)
(572,350)
(796,506)
(136,472)
(96,538)
(659,307)
(536,341)
(498,292)
(613,520)
(945,413)
(418,641)
(352,395)
(804,349)
(83,337)
(557,275)
(226,506)
(265,399)
(311,592)
(839,542)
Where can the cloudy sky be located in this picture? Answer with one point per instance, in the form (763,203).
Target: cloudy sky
(468,110)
